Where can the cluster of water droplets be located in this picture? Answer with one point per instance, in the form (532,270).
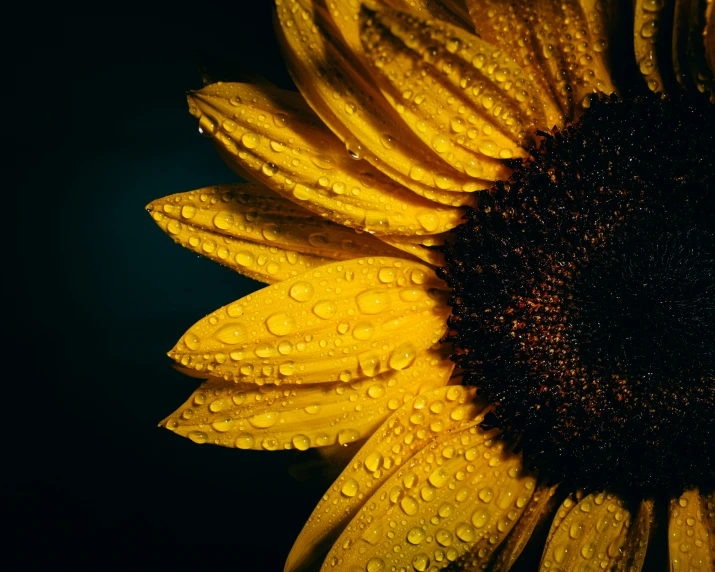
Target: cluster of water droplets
(588,535)
(690,532)
(425,506)
(303,161)
(341,322)
(259,233)
(271,417)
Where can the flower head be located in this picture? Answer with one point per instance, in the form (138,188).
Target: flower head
(491,263)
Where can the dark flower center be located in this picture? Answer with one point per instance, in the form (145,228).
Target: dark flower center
(584,298)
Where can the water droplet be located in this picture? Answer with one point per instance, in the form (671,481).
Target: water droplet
(269,169)
(375,565)
(416,535)
(409,505)
(301,442)
(347,436)
(192,341)
(174,226)
(403,356)
(387,275)
(444,537)
(231,334)
(198,437)
(264,420)
(439,477)
(325,309)
(486,494)
(363,331)
(244,258)
(286,368)
(373,301)
(369,363)
(245,441)
(420,562)
(373,460)
(250,140)
(350,487)
(281,324)
(465,532)
(376,390)
(302,291)
(188,211)
(480,517)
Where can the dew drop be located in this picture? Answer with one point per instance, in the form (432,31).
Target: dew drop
(301,291)
(416,535)
(192,341)
(347,436)
(350,488)
(325,309)
(373,301)
(301,442)
(281,324)
(245,441)
(264,420)
(403,356)
(231,334)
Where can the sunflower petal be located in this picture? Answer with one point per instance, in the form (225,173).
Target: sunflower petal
(258,233)
(634,549)
(463,97)
(341,322)
(409,430)
(563,44)
(691,537)
(646,30)
(285,148)
(709,35)
(356,111)
(419,247)
(592,530)
(456,501)
(270,417)
(536,511)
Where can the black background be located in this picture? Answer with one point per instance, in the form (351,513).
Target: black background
(95,294)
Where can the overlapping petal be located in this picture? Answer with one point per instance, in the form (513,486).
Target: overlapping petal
(459,496)
(591,532)
(392,448)
(425,248)
(334,83)
(562,46)
(689,57)
(647,19)
(691,536)
(466,99)
(270,417)
(539,507)
(272,135)
(259,233)
(343,321)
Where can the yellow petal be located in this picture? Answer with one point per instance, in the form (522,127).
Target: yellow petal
(537,509)
(455,501)
(709,36)
(591,532)
(284,147)
(689,50)
(691,537)
(334,85)
(345,15)
(563,44)
(636,545)
(272,418)
(419,247)
(646,30)
(258,233)
(467,100)
(341,322)
(393,446)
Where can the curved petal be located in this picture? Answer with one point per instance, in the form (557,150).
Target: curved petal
(284,146)
(636,545)
(341,322)
(335,86)
(345,15)
(691,537)
(647,19)
(392,447)
(468,101)
(563,44)
(592,531)
(270,417)
(258,233)
(456,501)
(418,246)
(540,505)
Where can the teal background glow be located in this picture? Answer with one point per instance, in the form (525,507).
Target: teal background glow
(100,294)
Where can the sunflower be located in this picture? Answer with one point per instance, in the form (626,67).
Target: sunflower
(487,234)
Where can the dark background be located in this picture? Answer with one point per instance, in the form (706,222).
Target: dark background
(96,294)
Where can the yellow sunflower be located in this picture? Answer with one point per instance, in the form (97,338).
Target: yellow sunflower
(488,238)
